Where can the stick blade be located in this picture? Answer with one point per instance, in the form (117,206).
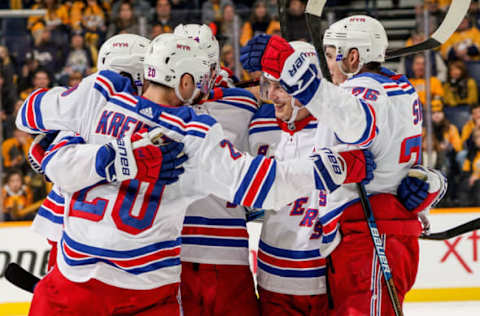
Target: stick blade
(456,13)
(20,277)
(315,7)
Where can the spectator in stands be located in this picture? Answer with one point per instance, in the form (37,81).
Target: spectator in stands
(437,65)
(464,44)
(79,58)
(125,22)
(74,78)
(9,125)
(460,89)
(224,30)
(448,147)
(211,10)
(297,25)
(272,9)
(474,122)
(227,60)
(260,22)
(140,8)
(418,81)
(16,197)
(56,16)
(469,190)
(89,17)
(8,89)
(155,30)
(446,133)
(15,151)
(163,17)
(49,55)
(41,79)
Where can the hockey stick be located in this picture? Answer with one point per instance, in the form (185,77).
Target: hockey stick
(454,232)
(20,277)
(282,17)
(455,15)
(313,14)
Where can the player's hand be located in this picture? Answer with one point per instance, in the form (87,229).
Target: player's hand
(139,158)
(360,166)
(223,80)
(265,53)
(421,189)
(334,169)
(37,150)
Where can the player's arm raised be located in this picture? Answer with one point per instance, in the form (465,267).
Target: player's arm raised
(351,118)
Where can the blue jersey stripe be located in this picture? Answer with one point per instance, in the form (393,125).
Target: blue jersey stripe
(263,129)
(50,216)
(292,254)
(247,179)
(120,253)
(150,267)
(38,112)
(267,184)
(250,108)
(288,273)
(209,241)
(198,220)
(56,197)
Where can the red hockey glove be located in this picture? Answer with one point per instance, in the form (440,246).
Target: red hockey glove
(360,166)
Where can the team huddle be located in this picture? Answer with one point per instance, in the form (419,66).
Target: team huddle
(157,160)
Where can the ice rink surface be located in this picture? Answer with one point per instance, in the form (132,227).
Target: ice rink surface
(465,308)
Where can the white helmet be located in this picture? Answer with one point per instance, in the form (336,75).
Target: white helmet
(124,53)
(169,57)
(361,32)
(205,38)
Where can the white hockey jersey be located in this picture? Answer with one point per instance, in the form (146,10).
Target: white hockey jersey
(378,112)
(48,221)
(128,234)
(264,131)
(292,244)
(214,230)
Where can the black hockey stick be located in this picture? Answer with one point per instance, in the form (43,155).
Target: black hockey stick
(20,277)
(454,232)
(313,14)
(456,13)
(282,17)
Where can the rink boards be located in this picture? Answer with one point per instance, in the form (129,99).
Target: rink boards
(448,271)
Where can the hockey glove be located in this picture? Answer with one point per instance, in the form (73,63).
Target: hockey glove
(224,80)
(265,53)
(139,158)
(38,149)
(421,189)
(333,169)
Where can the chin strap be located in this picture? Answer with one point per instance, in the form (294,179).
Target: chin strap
(293,117)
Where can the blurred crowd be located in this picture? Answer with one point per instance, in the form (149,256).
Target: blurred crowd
(61,47)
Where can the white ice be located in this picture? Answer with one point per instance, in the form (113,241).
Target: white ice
(465,308)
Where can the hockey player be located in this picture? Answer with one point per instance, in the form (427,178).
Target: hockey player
(124,54)
(371,108)
(215,256)
(291,262)
(120,246)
